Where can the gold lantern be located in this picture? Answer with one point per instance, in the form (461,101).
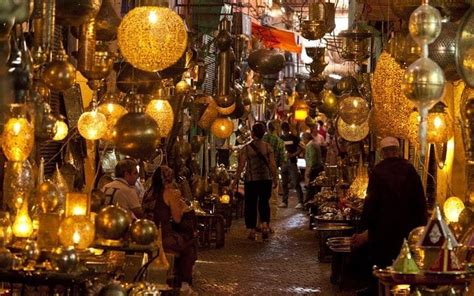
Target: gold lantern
(355,44)
(18,183)
(59,74)
(329,100)
(163,114)
(152,38)
(48,196)
(352,132)
(76,231)
(354,110)
(222,127)
(92,125)
(18,135)
(224,199)
(452,208)
(77,204)
(22,226)
(301,110)
(61,130)
(112,111)
(440,124)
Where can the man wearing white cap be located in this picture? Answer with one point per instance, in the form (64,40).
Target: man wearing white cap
(394,206)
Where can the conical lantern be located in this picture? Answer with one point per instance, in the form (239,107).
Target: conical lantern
(18,135)
(63,188)
(152,38)
(405,263)
(106,22)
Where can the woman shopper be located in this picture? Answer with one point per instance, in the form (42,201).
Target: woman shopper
(164,205)
(260,174)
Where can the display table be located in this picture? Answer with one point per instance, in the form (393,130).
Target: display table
(388,280)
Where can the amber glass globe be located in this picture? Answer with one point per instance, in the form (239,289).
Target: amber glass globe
(452,208)
(112,111)
(163,114)
(92,125)
(61,130)
(440,125)
(301,110)
(76,231)
(152,38)
(222,128)
(17,139)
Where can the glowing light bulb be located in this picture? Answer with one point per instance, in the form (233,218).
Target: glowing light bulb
(438,122)
(76,238)
(153,17)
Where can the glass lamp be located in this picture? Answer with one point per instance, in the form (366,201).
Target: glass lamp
(452,208)
(222,128)
(22,226)
(77,204)
(354,110)
(152,38)
(76,231)
(113,111)
(301,110)
(440,124)
(61,130)
(162,113)
(92,125)
(18,135)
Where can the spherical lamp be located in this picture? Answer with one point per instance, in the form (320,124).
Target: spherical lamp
(17,138)
(112,223)
(352,132)
(440,124)
(452,208)
(222,128)
(354,110)
(162,112)
(329,100)
(59,74)
(152,38)
(61,130)
(76,231)
(92,125)
(425,24)
(112,111)
(143,231)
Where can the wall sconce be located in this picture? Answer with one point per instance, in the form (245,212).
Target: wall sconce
(77,204)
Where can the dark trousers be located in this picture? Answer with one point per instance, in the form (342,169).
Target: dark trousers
(291,174)
(257,194)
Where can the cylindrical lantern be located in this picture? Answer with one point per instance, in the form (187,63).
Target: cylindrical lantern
(355,44)
(92,125)
(76,231)
(452,208)
(163,114)
(77,204)
(222,128)
(18,135)
(152,38)
(301,110)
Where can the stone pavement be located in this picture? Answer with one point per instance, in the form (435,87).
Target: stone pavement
(286,264)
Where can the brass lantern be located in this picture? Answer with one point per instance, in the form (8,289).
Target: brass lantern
(18,135)
(301,110)
(77,232)
(354,110)
(352,132)
(77,204)
(59,74)
(92,125)
(467,115)
(161,111)
(23,226)
(356,44)
(112,111)
(452,208)
(152,38)
(440,124)
(222,127)
(61,129)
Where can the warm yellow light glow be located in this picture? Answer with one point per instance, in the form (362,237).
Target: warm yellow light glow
(17,139)
(452,208)
(76,231)
(23,226)
(61,130)
(225,199)
(438,122)
(152,38)
(76,237)
(77,204)
(301,114)
(162,112)
(92,125)
(113,112)
(222,128)
(440,126)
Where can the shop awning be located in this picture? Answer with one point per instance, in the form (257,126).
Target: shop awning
(276,38)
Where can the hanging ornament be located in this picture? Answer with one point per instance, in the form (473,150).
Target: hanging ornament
(425,24)
(18,135)
(48,196)
(22,226)
(352,132)
(440,124)
(329,103)
(92,125)
(59,74)
(301,110)
(152,38)
(107,22)
(162,112)
(222,127)
(112,111)
(443,50)
(354,110)
(61,129)
(452,208)
(266,61)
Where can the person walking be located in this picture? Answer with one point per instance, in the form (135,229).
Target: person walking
(258,159)
(289,170)
(394,206)
(122,190)
(314,164)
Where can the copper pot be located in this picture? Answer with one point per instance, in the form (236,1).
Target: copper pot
(266,61)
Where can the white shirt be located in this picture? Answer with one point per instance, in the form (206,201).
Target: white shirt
(121,193)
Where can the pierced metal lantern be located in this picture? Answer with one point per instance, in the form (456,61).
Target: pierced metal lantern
(356,44)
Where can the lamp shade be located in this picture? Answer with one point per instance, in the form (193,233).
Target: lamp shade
(301,110)
(152,38)
(77,204)
(22,226)
(18,136)
(162,112)
(452,208)
(222,128)
(92,125)
(76,231)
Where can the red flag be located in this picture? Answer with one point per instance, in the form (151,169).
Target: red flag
(276,38)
